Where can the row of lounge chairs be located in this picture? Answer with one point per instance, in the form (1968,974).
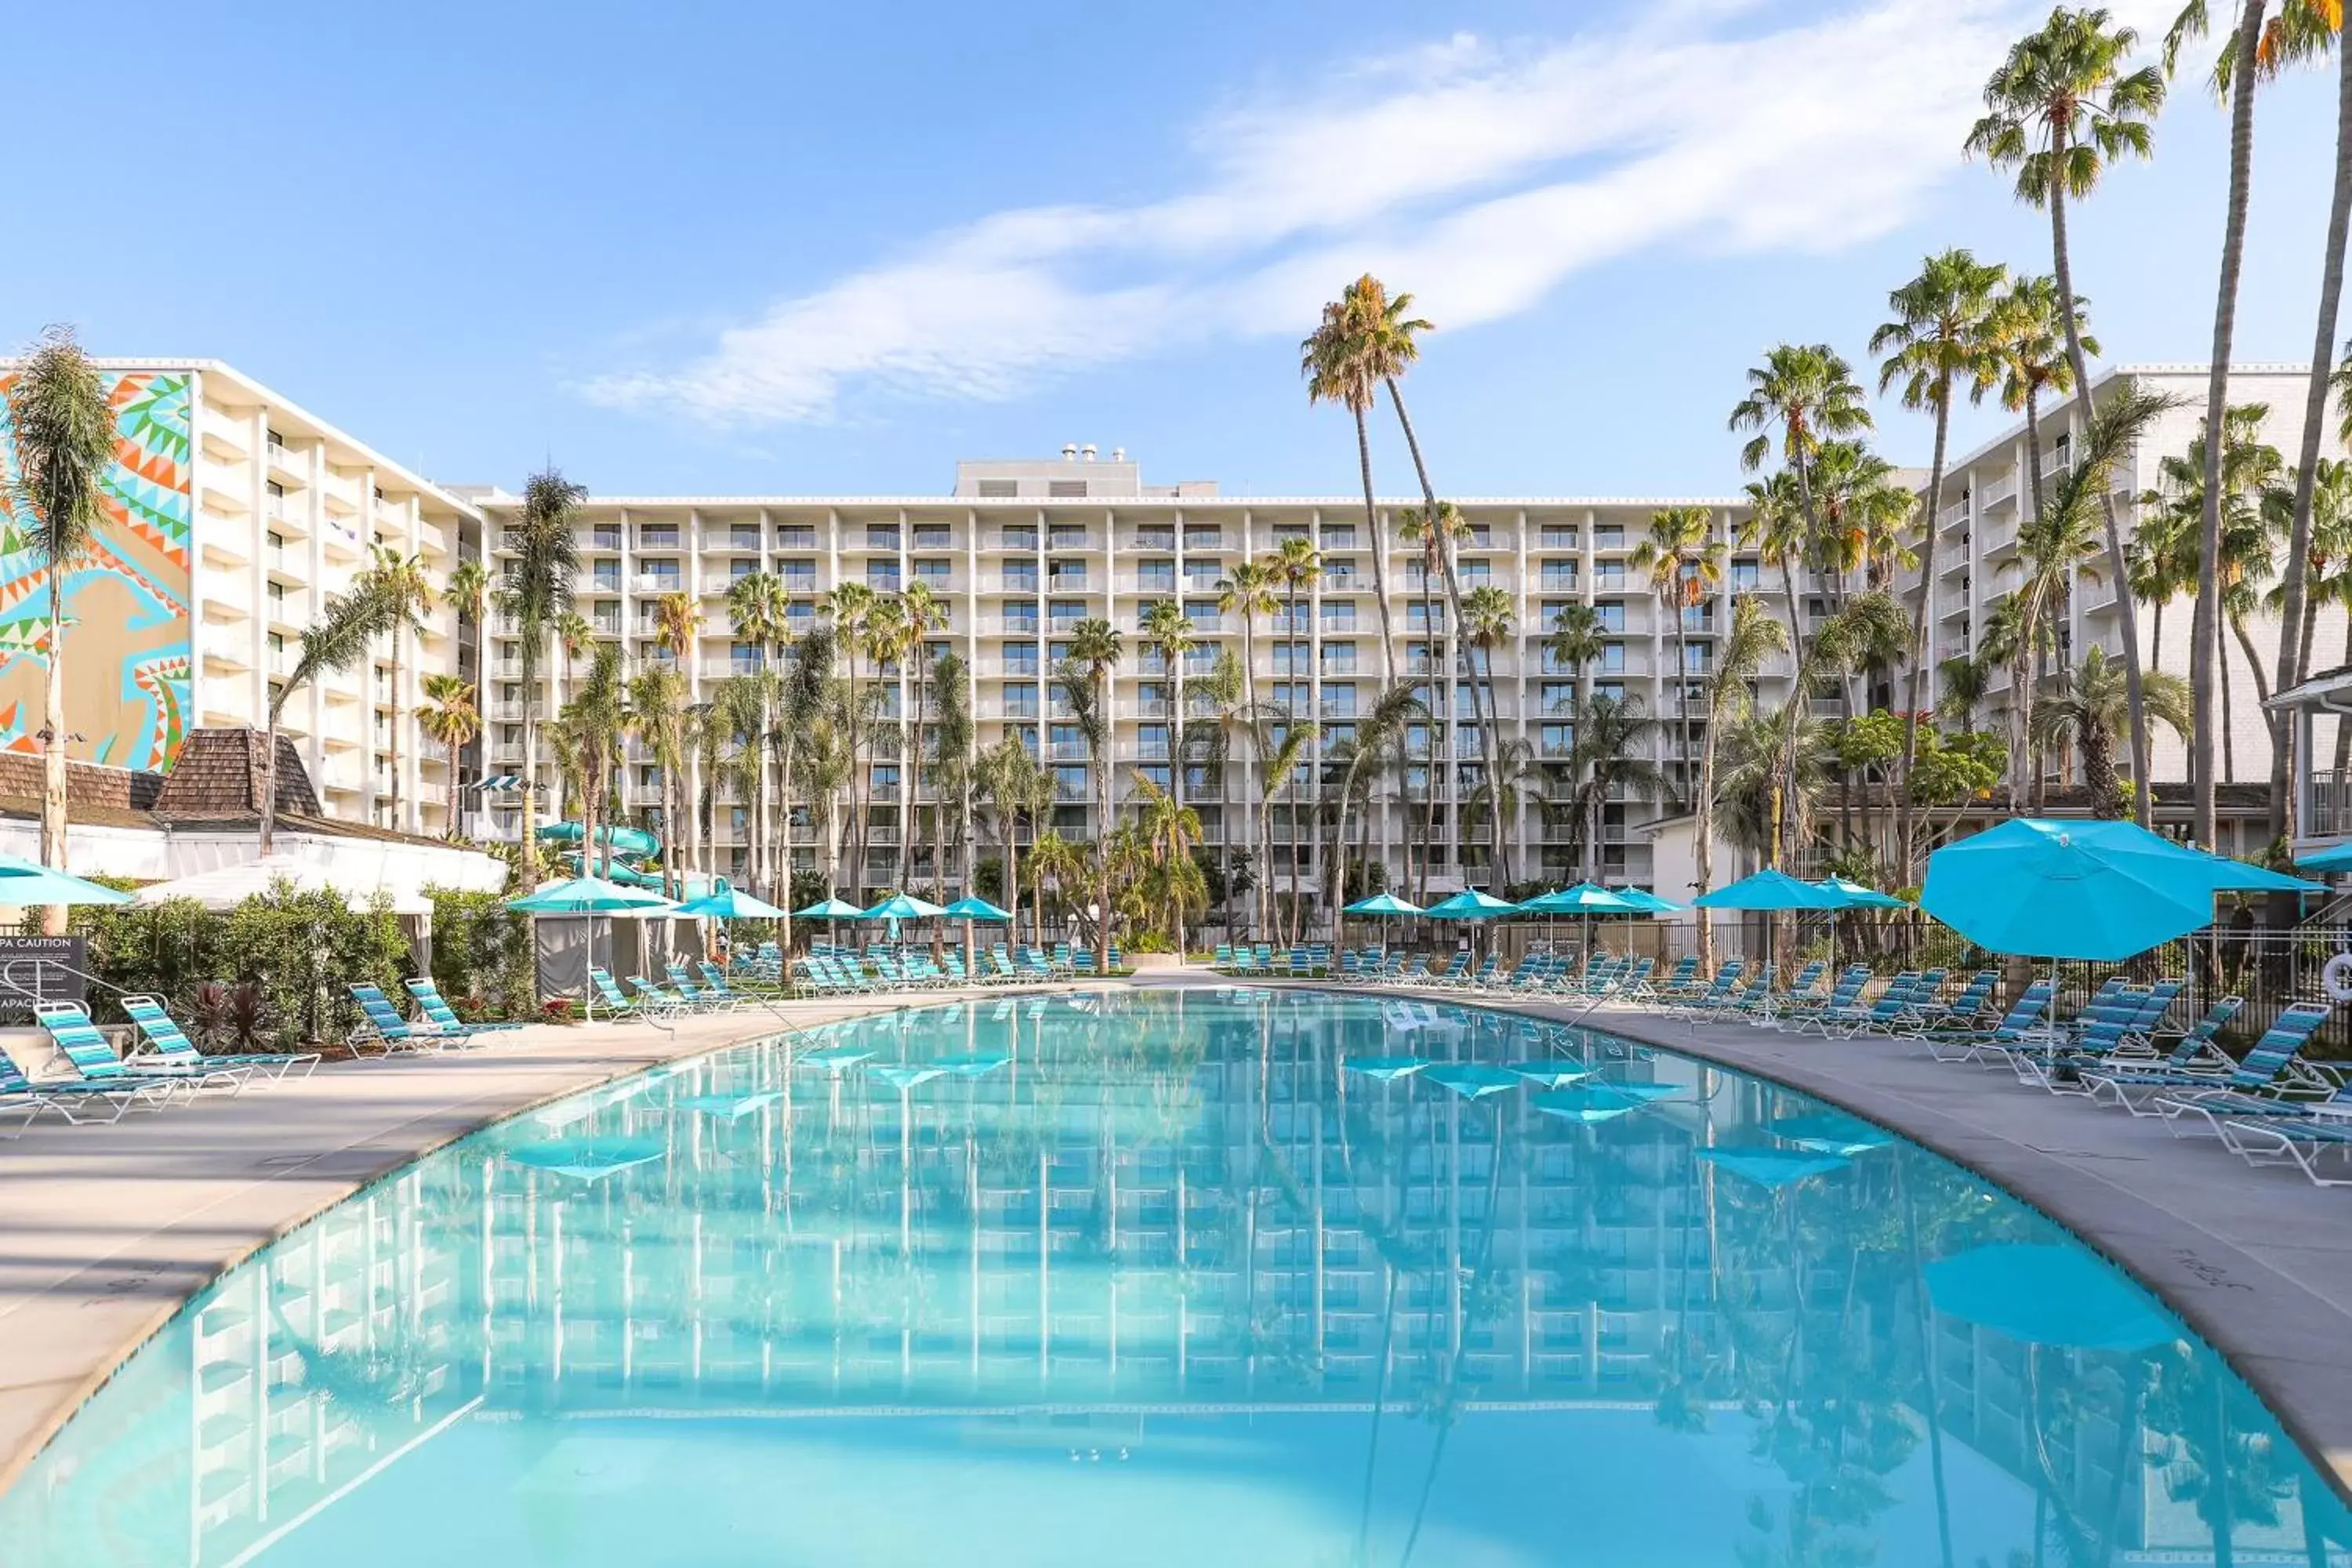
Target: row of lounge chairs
(105,1083)
(843,974)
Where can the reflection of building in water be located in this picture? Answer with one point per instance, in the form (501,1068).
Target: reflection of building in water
(1091,1225)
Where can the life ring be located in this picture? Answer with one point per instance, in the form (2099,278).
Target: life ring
(2336,979)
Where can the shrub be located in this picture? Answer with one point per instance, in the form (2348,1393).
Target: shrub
(482,958)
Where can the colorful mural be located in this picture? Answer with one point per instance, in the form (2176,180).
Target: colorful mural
(129,660)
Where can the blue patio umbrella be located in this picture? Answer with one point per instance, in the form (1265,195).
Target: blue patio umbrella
(976,909)
(29,885)
(1858,897)
(1471,1080)
(591,896)
(1774,1168)
(1381,904)
(725,903)
(900,907)
(2048,1296)
(1647,902)
(2102,891)
(1470,905)
(1771,890)
(2335,858)
(1584,898)
(829,908)
(1832,1132)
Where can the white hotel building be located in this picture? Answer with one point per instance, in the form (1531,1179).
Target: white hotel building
(1022,552)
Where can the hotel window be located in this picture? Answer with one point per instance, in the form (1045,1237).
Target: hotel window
(278,601)
(1290,658)
(885,775)
(1020,658)
(1422,616)
(604,536)
(1021,539)
(1609,536)
(1205,538)
(801,613)
(1199,574)
(1559,740)
(742,659)
(1070,783)
(1609,691)
(1338,536)
(882,576)
(1155,577)
(661,576)
(1475,573)
(743,536)
(1481,537)
(1558,536)
(1613,615)
(1557,577)
(1612,658)
(1338,658)
(935,571)
(1058,652)
(881,536)
(658,536)
(1021,618)
(795,536)
(1020,701)
(800,577)
(1557,695)
(1067,576)
(1340,701)
(1067,536)
(934,536)
(272,439)
(999,490)
(1021,576)
(1744,576)
(1066,612)
(1339,617)
(1152,741)
(742,566)
(1201,612)
(1338,576)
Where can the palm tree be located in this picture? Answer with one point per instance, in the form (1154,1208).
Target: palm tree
(1221,700)
(1247,591)
(1808,391)
(2304,29)
(678,630)
(757,611)
(1753,638)
(1776,529)
(920,613)
(1378,729)
(537,593)
(1489,622)
(64,436)
(1393,343)
(1169,631)
(453,718)
(339,638)
(1612,736)
(2061,108)
(593,724)
(1086,677)
(573,636)
(658,698)
(402,579)
(2030,347)
(1685,561)
(2090,705)
(2237,69)
(1294,565)
(1941,333)
(1170,832)
(1345,361)
(1282,754)
(1574,640)
(851,607)
(804,735)
(1432,531)
(952,732)
(1015,784)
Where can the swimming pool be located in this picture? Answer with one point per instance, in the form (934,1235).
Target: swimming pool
(1180,1276)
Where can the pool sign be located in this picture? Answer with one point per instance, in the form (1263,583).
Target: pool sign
(41,969)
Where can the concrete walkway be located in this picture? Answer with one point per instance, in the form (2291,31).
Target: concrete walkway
(2259,1262)
(106,1230)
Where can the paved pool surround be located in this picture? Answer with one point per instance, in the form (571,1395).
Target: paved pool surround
(105,1232)
(2259,1262)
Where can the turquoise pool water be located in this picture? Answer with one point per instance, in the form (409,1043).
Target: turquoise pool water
(1183,1278)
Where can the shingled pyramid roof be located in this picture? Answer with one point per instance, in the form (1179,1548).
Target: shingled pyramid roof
(218,776)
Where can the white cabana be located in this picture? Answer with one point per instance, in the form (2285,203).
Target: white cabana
(226,887)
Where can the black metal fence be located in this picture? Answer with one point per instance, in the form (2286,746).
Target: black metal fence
(2269,970)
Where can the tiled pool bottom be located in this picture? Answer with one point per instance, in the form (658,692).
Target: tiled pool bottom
(1177,1277)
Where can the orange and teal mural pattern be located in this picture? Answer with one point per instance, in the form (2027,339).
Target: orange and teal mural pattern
(128,654)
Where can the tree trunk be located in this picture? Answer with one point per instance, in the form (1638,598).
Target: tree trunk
(397,825)
(1453,610)
(533,648)
(1919,630)
(2033,443)
(54,741)
(2205,631)
(1380,545)
(1702,826)
(1012,874)
(2127,606)
(2218,657)
(2295,654)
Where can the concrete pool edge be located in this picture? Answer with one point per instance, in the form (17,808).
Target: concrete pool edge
(2287,1331)
(70,1332)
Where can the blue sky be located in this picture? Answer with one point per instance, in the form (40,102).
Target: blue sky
(714,249)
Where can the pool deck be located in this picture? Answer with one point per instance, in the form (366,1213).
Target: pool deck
(2258,1261)
(106,1230)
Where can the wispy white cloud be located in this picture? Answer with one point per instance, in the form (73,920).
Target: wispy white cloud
(1481,175)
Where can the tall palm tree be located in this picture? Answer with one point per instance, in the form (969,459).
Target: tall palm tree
(1086,676)
(1282,755)
(1294,566)
(951,734)
(2233,78)
(1169,631)
(677,631)
(2060,108)
(1218,706)
(1808,392)
(1170,831)
(1574,640)
(1489,621)
(757,612)
(1378,729)
(594,723)
(402,579)
(1248,592)
(851,607)
(2090,705)
(1754,636)
(2030,347)
(573,636)
(537,593)
(1345,362)
(658,698)
(1015,786)
(1432,532)
(1612,738)
(1684,563)
(347,624)
(920,612)
(452,717)
(64,438)
(1393,334)
(1940,335)
(2306,29)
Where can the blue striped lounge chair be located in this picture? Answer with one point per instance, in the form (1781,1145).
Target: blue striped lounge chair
(1843,993)
(2301,1142)
(714,979)
(1715,992)
(2198,1052)
(382,1025)
(75,1101)
(1678,978)
(168,1046)
(2272,1080)
(443,1016)
(2023,1025)
(92,1055)
(605,992)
